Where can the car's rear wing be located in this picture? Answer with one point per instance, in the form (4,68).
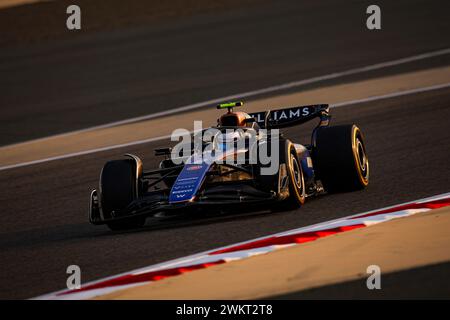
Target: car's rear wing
(292,116)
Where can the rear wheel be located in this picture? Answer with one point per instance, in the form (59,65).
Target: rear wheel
(118,189)
(340,158)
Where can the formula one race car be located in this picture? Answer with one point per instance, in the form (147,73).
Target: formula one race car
(242,163)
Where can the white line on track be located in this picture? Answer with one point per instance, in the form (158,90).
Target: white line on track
(137,142)
(392,95)
(266,90)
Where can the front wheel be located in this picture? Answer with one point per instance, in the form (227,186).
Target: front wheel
(119,187)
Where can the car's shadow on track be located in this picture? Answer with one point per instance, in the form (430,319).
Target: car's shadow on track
(154,224)
(85,231)
(204,218)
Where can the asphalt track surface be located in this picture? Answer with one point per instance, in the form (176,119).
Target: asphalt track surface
(52,87)
(44,219)
(117,75)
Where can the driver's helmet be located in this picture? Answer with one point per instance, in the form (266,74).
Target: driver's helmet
(227,139)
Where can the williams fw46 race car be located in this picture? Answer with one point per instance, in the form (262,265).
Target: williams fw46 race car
(243,163)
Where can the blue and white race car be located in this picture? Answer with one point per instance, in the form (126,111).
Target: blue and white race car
(243,163)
